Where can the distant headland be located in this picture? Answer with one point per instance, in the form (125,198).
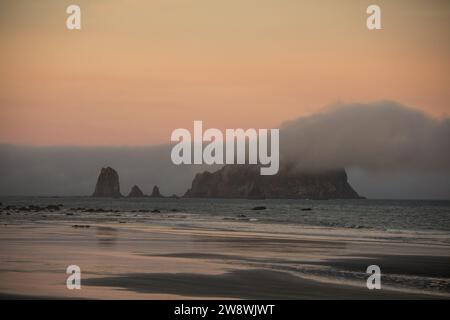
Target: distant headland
(244,181)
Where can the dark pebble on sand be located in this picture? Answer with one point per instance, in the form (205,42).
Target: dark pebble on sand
(53,207)
(259,208)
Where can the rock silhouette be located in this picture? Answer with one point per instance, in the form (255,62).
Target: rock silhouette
(136,192)
(245,181)
(107,184)
(156,193)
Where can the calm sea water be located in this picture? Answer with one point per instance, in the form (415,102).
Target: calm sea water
(371,214)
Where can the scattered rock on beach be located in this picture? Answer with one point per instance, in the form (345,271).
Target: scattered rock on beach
(52,207)
(81,226)
(259,208)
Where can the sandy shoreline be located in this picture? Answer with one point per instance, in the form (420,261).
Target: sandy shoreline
(126,261)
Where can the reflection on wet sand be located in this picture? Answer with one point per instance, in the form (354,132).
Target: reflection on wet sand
(106,236)
(158,261)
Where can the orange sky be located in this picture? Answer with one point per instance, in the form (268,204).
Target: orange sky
(139,69)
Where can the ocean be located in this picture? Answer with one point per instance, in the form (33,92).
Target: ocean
(387,215)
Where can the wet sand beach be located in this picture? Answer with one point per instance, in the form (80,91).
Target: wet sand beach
(157,261)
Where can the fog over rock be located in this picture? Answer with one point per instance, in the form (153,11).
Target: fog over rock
(383,137)
(47,171)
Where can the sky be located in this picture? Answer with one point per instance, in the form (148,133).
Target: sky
(137,70)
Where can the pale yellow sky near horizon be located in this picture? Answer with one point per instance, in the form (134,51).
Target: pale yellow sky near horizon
(139,69)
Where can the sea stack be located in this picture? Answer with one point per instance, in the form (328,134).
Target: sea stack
(107,184)
(156,193)
(136,192)
(245,181)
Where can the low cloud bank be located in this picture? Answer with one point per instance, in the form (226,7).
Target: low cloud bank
(377,137)
(74,170)
(389,151)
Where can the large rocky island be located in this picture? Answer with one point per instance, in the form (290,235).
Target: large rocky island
(245,181)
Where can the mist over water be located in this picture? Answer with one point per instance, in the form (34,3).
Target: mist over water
(389,151)
(74,170)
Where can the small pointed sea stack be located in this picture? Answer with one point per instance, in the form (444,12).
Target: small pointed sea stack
(107,184)
(156,193)
(136,192)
